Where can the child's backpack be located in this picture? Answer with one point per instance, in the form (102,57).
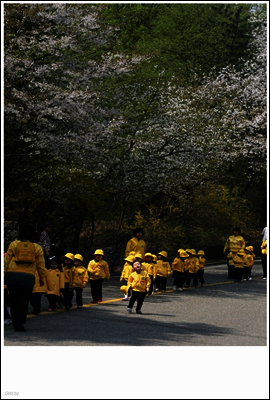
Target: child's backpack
(25,252)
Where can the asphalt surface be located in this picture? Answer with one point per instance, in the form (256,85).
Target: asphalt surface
(222,313)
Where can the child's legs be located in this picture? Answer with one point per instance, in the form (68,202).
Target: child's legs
(264,264)
(99,288)
(52,299)
(246,272)
(238,273)
(201,276)
(195,279)
(133,298)
(158,282)
(35,301)
(230,271)
(189,276)
(68,295)
(151,285)
(163,282)
(140,299)
(79,292)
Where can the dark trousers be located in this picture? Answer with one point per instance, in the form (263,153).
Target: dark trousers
(68,295)
(178,279)
(19,299)
(52,299)
(194,278)
(161,282)
(247,272)
(139,296)
(35,301)
(238,272)
(79,300)
(230,271)
(6,301)
(151,285)
(201,276)
(96,288)
(264,265)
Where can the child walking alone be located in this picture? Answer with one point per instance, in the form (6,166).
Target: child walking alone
(140,283)
(79,279)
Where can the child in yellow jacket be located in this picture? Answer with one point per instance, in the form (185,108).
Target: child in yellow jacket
(38,291)
(178,267)
(239,264)
(68,289)
(150,267)
(201,267)
(163,270)
(139,281)
(264,258)
(193,267)
(79,279)
(98,270)
(127,270)
(249,262)
(55,282)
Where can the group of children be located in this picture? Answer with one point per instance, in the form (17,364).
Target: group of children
(147,274)
(143,275)
(240,263)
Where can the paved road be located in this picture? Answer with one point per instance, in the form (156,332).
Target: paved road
(222,313)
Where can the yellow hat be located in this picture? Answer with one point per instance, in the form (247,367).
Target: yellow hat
(154,257)
(78,257)
(70,256)
(191,251)
(200,253)
(130,258)
(180,250)
(184,254)
(163,253)
(100,252)
(249,248)
(148,255)
(241,252)
(124,289)
(138,255)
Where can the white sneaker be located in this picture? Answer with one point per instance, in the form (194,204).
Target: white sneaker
(264,279)
(244,279)
(7,321)
(174,287)
(180,290)
(250,279)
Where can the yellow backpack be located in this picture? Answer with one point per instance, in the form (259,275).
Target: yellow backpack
(25,252)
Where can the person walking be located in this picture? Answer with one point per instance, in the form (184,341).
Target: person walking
(22,259)
(98,270)
(235,242)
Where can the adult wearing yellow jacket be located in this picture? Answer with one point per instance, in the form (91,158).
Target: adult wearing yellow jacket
(22,259)
(163,270)
(140,282)
(136,244)
(98,270)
